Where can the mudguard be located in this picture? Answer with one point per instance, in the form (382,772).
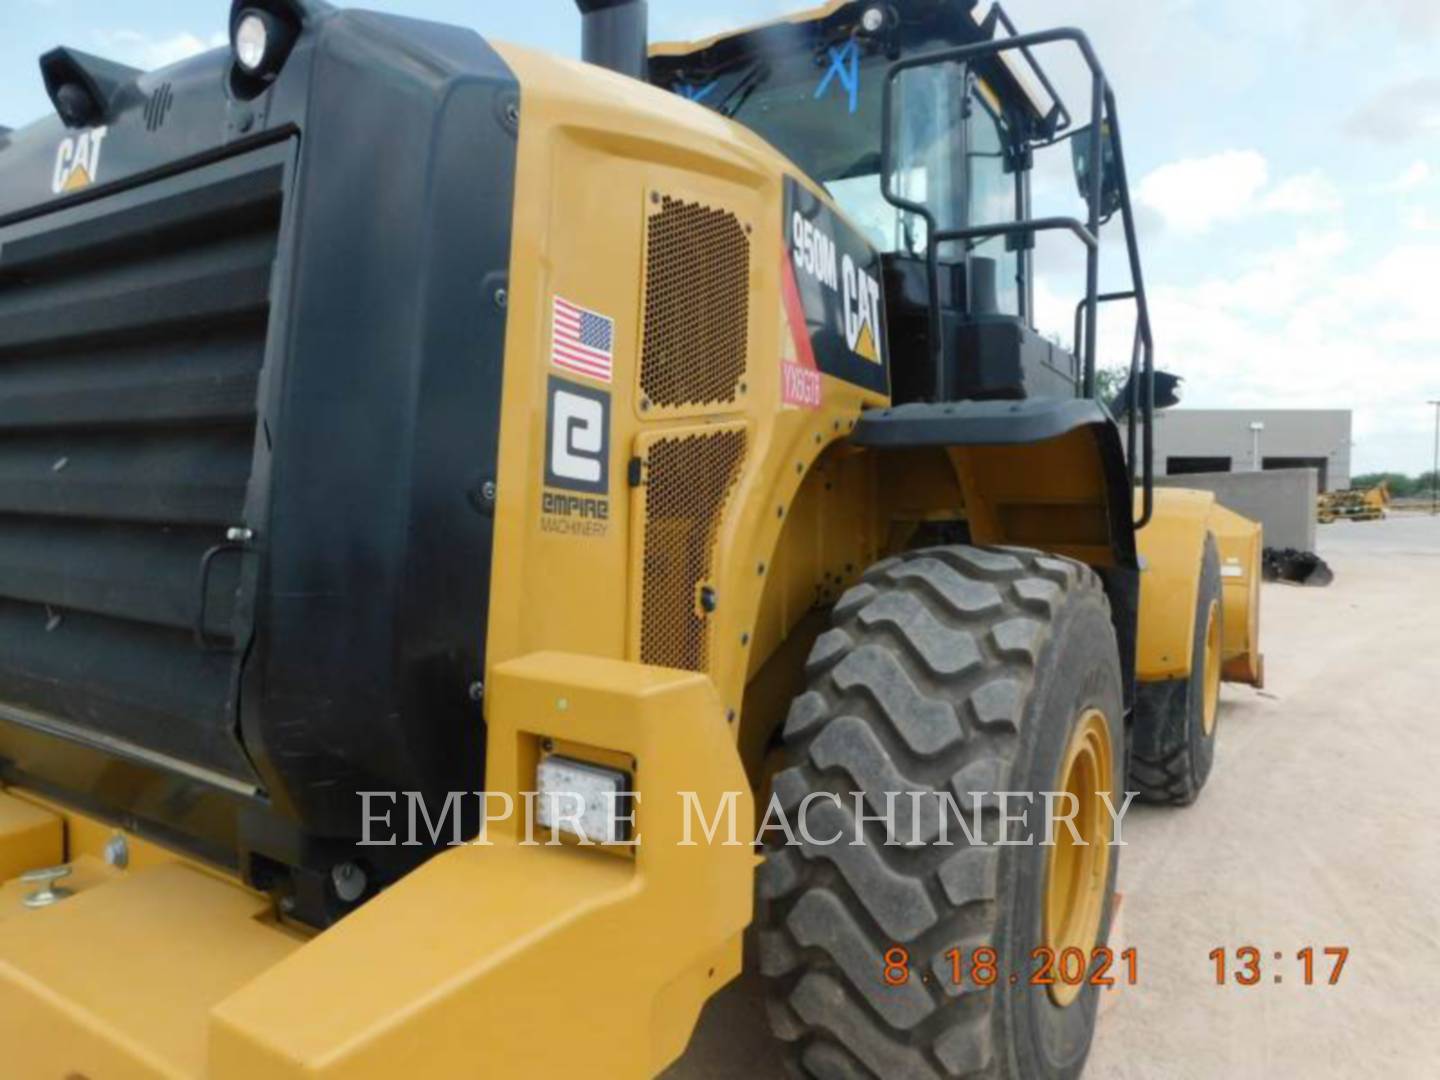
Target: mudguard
(1000,424)
(1171,549)
(1241,543)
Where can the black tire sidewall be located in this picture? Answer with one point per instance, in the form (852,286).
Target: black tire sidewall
(1202,755)
(1082,672)
(1171,752)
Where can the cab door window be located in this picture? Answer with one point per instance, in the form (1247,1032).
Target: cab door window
(991,192)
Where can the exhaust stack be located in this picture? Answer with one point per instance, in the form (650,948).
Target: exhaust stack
(615,35)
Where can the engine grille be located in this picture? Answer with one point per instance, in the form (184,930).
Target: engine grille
(697,307)
(132,336)
(688,481)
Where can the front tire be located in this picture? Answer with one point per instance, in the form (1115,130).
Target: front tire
(958,670)
(1175,721)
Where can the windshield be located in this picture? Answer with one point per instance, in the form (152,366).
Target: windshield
(826,114)
(824,111)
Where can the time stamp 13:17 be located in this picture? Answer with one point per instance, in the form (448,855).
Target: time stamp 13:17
(1246,965)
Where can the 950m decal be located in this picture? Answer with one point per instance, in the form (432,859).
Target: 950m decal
(577,459)
(831,284)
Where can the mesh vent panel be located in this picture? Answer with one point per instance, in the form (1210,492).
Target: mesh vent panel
(697,311)
(688,483)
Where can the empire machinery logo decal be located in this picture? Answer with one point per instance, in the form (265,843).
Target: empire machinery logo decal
(577,460)
(77,161)
(577,423)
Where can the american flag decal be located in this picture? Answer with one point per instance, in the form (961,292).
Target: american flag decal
(583,342)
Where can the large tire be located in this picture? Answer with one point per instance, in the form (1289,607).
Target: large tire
(954,668)
(1175,721)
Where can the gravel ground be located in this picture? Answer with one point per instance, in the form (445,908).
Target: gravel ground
(1318,828)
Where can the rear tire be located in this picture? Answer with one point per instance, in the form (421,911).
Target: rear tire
(1173,750)
(958,670)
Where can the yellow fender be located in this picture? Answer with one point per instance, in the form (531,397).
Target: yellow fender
(1241,542)
(1171,549)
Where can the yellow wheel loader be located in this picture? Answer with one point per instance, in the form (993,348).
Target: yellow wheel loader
(455,501)
(1356,504)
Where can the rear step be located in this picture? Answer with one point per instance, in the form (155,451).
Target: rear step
(119,980)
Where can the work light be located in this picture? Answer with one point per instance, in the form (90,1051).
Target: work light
(582,799)
(252,41)
(261,39)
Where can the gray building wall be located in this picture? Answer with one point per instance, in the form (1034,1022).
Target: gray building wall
(1282,500)
(1318,438)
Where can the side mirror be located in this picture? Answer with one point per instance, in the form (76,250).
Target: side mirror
(1110,180)
(1167,394)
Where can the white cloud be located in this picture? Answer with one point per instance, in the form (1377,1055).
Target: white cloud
(1312,324)
(149,52)
(1401,113)
(1305,195)
(1416,176)
(1194,194)
(1411,16)
(1422,221)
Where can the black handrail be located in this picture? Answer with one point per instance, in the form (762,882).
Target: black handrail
(1059,113)
(1103,117)
(1133,412)
(1142,310)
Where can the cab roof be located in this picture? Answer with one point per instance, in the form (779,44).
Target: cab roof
(975,20)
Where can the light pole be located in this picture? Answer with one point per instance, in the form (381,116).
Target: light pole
(1255,430)
(1435,473)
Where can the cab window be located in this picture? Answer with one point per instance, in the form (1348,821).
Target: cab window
(991,191)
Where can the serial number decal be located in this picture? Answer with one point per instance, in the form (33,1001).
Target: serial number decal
(801,386)
(981,967)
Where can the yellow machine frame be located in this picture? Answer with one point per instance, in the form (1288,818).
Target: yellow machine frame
(481,961)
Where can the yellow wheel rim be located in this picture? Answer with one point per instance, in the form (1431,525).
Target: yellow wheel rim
(1212,670)
(1078,872)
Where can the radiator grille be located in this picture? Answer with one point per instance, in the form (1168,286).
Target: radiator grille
(688,481)
(132,335)
(697,307)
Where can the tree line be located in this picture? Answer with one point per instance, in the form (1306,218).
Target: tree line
(1401,485)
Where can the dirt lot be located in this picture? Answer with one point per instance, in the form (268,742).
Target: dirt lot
(1318,828)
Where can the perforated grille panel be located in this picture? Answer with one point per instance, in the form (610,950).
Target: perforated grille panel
(688,482)
(697,311)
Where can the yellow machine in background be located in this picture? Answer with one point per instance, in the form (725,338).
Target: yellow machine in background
(678,432)
(1371,504)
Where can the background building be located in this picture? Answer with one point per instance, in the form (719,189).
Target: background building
(1189,441)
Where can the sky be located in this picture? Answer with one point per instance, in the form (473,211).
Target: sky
(1285,158)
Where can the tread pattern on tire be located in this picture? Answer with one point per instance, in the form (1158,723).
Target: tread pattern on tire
(920,686)
(1164,780)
